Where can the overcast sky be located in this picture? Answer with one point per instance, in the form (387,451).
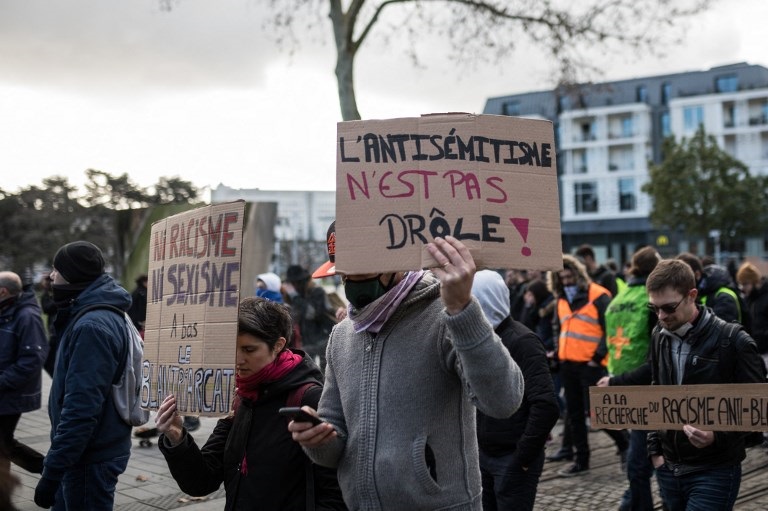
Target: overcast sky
(201,93)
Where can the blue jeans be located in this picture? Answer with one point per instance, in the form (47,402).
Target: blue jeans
(90,486)
(506,485)
(715,489)
(639,471)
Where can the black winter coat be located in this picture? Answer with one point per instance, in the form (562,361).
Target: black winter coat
(606,278)
(740,363)
(525,432)
(23,348)
(274,476)
(757,303)
(722,304)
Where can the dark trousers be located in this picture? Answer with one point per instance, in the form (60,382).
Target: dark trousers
(13,450)
(506,485)
(639,472)
(91,486)
(577,377)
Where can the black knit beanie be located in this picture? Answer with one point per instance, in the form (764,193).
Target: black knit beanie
(79,262)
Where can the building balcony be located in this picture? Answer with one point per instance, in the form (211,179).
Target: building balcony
(584,138)
(622,134)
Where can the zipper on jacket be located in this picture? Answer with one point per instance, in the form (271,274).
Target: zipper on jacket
(696,358)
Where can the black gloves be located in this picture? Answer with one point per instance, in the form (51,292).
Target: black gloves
(45,493)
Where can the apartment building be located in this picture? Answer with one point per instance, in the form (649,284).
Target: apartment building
(608,132)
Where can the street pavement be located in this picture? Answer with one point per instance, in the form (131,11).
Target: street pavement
(147,484)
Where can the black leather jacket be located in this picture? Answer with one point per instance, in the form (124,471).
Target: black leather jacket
(715,357)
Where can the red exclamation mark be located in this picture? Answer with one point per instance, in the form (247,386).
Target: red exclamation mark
(521,224)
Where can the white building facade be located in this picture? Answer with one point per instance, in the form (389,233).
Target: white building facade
(303,218)
(608,132)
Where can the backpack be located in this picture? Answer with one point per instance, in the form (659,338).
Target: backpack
(126,387)
(726,364)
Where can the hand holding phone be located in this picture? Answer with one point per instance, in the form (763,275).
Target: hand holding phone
(297,414)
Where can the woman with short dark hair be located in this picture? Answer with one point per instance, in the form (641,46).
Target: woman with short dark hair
(251,450)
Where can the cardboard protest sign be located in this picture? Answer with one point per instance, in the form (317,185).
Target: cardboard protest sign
(732,407)
(192,305)
(490,181)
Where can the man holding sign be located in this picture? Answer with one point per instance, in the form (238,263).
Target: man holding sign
(403,367)
(696,468)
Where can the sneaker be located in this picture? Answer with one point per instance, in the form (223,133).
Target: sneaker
(560,455)
(575,469)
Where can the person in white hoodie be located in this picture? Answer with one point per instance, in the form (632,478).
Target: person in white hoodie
(512,449)
(406,370)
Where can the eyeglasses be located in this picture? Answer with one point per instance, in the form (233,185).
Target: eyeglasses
(668,308)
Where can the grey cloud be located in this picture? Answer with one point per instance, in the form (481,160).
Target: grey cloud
(122,44)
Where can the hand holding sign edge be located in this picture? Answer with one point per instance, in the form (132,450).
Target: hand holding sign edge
(456,271)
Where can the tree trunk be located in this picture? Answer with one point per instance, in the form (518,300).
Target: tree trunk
(345,79)
(345,59)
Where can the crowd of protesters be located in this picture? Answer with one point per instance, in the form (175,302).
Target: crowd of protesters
(389,372)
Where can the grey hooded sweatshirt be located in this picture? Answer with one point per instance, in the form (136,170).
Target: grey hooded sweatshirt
(403,404)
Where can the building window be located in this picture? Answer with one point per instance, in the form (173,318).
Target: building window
(666,92)
(621,158)
(641,93)
(587,131)
(585,195)
(666,129)
(728,83)
(627,198)
(510,108)
(693,117)
(564,102)
(729,115)
(627,127)
(580,164)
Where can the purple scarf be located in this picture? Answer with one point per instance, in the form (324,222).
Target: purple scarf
(373,316)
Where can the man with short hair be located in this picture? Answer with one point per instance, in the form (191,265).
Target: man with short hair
(582,350)
(696,469)
(629,324)
(23,348)
(599,273)
(404,369)
(90,442)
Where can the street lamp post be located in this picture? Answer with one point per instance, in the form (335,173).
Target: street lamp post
(715,235)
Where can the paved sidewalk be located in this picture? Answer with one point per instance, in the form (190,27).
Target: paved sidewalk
(146,484)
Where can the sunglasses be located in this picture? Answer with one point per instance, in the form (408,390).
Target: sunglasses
(668,308)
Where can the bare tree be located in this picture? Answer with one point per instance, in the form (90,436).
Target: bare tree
(491,29)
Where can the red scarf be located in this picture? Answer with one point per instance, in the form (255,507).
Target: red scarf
(248,387)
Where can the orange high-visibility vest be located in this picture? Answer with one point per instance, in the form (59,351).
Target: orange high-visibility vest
(580,331)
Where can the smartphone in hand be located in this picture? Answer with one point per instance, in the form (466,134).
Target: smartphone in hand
(297,414)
